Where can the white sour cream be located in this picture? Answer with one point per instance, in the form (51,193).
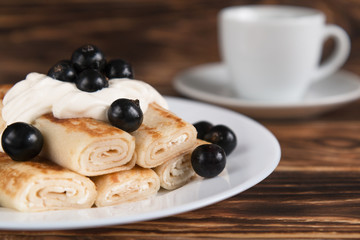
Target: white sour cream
(39,94)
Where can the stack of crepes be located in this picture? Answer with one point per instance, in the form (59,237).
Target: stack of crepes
(86,162)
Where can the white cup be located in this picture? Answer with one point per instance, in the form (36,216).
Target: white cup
(273,52)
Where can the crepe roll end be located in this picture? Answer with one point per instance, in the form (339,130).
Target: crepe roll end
(40,185)
(51,193)
(107,156)
(176,172)
(126,186)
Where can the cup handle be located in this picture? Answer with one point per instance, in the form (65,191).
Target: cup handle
(340,54)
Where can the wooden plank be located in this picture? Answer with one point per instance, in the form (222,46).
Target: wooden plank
(318,145)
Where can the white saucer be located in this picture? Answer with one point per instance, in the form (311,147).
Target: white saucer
(210,83)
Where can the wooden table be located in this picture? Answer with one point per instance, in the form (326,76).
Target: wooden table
(315,190)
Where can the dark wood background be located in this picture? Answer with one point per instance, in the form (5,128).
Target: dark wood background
(158,37)
(315,191)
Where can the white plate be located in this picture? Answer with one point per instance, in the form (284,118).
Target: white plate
(256,156)
(210,83)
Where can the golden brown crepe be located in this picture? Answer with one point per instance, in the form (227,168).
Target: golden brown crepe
(178,171)
(126,186)
(162,136)
(85,145)
(38,185)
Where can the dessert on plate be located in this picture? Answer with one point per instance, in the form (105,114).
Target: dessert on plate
(69,108)
(89,135)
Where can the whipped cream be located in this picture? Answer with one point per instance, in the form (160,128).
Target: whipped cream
(39,94)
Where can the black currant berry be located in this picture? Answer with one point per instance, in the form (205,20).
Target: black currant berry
(202,128)
(208,160)
(63,71)
(118,68)
(125,114)
(22,141)
(91,80)
(222,136)
(88,56)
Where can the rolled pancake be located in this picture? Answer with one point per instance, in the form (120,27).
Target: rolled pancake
(178,171)
(162,136)
(38,185)
(126,186)
(86,146)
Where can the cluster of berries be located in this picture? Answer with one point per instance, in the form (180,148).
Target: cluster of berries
(90,72)
(209,160)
